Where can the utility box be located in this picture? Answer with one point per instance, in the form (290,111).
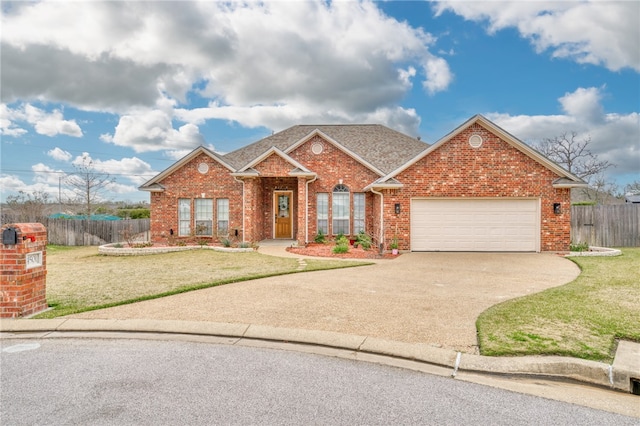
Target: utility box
(23,270)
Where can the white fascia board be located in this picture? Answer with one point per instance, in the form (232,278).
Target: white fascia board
(251,173)
(303,174)
(383,186)
(564,183)
(155,187)
(278,152)
(338,145)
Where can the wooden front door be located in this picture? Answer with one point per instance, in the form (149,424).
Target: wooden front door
(283,210)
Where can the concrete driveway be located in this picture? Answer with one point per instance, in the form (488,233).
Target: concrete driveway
(432,298)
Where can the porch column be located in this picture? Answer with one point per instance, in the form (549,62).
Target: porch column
(249,210)
(303,211)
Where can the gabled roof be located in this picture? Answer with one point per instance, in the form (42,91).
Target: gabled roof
(384,183)
(153,185)
(377,147)
(567,179)
(273,151)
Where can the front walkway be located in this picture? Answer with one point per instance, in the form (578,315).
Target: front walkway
(277,248)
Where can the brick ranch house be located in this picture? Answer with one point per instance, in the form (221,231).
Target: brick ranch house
(477,189)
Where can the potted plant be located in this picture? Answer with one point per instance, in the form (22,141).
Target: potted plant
(394,245)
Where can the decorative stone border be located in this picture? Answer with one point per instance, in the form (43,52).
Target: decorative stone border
(596,251)
(111,250)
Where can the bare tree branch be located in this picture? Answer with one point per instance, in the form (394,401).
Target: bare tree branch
(574,155)
(88,184)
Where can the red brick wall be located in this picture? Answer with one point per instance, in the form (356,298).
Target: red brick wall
(22,290)
(496,169)
(187,182)
(332,165)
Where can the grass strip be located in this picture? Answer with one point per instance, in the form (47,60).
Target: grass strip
(581,319)
(79,279)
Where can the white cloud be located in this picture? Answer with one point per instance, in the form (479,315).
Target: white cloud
(132,169)
(12,184)
(594,32)
(45,123)
(269,57)
(439,76)
(153,131)
(7,126)
(614,137)
(59,154)
(46,175)
(180,153)
(584,104)
(282,116)
(118,188)
(50,124)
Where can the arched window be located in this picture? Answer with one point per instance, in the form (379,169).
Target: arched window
(340,210)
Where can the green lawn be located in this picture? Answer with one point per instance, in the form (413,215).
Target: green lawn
(581,319)
(79,280)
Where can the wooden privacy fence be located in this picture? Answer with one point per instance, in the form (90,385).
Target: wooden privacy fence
(611,225)
(72,232)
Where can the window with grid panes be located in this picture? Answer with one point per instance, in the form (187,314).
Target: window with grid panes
(204,216)
(323,213)
(184,216)
(340,210)
(223,216)
(358,213)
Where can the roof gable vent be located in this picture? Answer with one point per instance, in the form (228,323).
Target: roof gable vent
(475,141)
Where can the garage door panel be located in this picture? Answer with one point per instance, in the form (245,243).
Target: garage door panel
(475,225)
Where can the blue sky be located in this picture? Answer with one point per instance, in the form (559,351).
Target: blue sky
(137,85)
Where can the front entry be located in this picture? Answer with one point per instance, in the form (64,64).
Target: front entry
(282,208)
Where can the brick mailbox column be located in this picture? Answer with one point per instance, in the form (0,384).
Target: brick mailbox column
(23,269)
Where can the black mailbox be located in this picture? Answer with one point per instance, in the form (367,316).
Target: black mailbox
(10,237)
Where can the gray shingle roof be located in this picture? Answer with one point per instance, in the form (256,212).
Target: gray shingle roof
(384,148)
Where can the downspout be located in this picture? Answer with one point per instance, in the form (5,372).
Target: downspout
(243,206)
(381,218)
(306,210)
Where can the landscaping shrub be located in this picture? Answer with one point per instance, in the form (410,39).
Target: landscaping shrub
(342,245)
(363,240)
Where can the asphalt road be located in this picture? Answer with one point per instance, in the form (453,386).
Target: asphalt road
(106,382)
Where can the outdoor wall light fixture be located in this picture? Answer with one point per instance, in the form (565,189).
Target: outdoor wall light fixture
(556,208)
(397,208)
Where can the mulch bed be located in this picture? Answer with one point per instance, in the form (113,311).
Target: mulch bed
(326,250)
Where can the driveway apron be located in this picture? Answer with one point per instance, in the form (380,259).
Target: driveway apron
(432,298)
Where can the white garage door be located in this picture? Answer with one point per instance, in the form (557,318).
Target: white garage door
(475,225)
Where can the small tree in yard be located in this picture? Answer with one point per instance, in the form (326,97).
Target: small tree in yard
(88,184)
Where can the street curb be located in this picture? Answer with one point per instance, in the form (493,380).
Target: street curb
(589,372)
